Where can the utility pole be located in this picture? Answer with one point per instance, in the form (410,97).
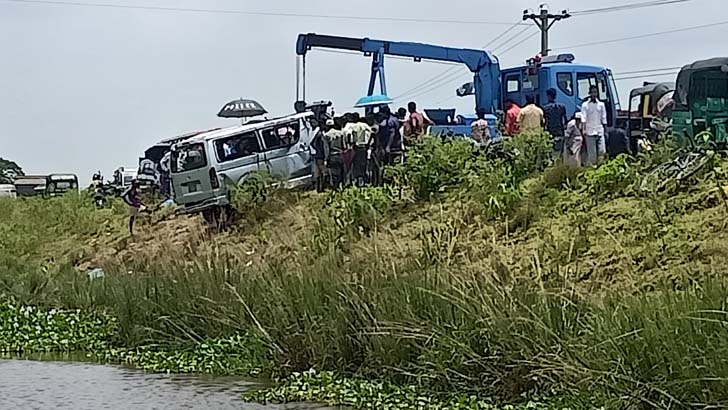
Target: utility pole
(544,20)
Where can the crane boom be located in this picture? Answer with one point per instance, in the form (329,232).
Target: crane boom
(484,66)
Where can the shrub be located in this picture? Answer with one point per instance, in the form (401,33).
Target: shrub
(492,186)
(562,175)
(611,178)
(360,209)
(434,166)
(252,198)
(530,152)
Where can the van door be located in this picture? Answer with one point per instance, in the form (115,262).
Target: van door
(190,173)
(286,149)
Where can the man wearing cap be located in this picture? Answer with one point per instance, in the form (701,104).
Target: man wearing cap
(573,141)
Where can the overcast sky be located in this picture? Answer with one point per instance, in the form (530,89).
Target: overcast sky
(87,88)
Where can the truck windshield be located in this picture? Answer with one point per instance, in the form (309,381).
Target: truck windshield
(188,157)
(62,186)
(615,94)
(708,84)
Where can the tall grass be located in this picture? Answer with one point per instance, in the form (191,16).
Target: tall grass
(445,296)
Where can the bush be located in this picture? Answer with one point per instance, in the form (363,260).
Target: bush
(434,166)
(360,209)
(611,178)
(531,152)
(493,187)
(562,175)
(252,199)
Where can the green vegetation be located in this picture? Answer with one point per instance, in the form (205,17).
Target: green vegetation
(26,329)
(326,387)
(9,170)
(492,279)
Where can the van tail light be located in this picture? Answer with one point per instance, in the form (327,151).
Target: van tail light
(214,182)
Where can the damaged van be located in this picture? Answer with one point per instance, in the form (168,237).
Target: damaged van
(205,167)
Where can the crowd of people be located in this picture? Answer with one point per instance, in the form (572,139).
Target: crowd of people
(578,141)
(352,149)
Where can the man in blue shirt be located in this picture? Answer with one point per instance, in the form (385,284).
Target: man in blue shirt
(555,119)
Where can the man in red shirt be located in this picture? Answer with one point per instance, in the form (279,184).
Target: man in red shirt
(416,124)
(512,111)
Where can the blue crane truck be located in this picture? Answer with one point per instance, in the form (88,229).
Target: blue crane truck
(491,85)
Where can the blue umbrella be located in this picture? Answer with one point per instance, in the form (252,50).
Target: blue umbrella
(373,101)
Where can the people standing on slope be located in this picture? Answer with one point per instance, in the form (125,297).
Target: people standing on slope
(359,134)
(320,153)
(480,130)
(133,197)
(530,119)
(555,121)
(573,140)
(415,126)
(594,117)
(337,147)
(512,113)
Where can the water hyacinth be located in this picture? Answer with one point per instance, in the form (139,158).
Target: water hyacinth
(25,329)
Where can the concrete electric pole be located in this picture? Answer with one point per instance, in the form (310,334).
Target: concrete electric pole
(544,20)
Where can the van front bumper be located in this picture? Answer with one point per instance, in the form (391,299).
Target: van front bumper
(197,207)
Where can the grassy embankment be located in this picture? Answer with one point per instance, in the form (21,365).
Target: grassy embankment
(468,275)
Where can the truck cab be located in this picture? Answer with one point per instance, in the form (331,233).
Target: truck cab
(59,184)
(571,82)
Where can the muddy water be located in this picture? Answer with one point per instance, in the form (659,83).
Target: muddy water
(41,385)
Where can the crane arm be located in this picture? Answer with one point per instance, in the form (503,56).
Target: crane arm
(484,65)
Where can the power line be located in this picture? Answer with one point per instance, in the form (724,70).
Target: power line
(649,71)
(429,86)
(499,46)
(628,7)
(254,13)
(438,86)
(652,3)
(534,34)
(645,76)
(660,33)
(446,72)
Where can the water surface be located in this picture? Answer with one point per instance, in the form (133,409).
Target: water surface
(46,385)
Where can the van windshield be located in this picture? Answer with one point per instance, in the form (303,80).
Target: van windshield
(188,157)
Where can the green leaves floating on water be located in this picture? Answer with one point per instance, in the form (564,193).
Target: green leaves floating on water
(25,329)
(325,387)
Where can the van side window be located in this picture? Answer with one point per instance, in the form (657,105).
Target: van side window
(565,83)
(283,135)
(513,83)
(237,146)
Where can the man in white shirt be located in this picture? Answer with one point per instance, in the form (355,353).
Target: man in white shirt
(594,117)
